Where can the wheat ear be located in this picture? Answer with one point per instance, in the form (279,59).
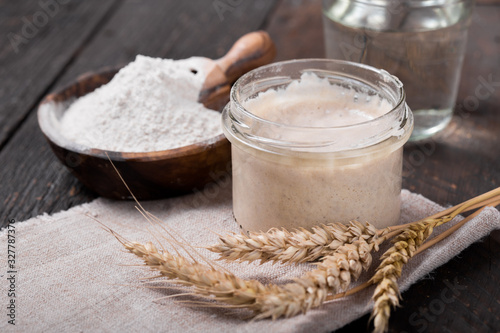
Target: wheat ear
(265,301)
(345,264)
(333,274)
(386,293)
(406,245)
(296,246)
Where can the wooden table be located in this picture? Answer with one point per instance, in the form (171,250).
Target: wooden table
(47,46)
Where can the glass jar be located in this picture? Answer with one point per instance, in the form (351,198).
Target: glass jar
(290,170)
(422,42)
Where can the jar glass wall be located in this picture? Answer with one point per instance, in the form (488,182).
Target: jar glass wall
(292,171)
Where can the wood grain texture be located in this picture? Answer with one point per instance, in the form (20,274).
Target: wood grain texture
(460,296)
(37,43)
(174,29)
(301,22)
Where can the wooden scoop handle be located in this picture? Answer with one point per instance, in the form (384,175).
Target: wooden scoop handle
(250,51)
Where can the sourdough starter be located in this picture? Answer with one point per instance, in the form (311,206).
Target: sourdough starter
(324,185)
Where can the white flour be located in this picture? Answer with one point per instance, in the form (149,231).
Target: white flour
(150,105)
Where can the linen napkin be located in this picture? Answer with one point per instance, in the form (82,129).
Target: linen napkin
(72,276)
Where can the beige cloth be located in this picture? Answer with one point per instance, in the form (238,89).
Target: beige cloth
(71,274)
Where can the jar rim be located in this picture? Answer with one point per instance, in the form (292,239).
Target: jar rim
(240,118)
(399,103)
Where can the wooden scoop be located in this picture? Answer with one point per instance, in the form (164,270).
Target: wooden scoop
(253,50)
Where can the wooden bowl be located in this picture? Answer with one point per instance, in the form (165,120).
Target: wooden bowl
(158,174)
(149,175)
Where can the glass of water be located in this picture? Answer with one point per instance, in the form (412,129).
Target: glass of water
(422,42)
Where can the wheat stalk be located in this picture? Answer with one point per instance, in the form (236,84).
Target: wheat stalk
(344,265)
(302,245)
(490,198)
(345,250)
(406,245)
(333,274)
(296,246)
(265,301)
(387,294)
(425,246)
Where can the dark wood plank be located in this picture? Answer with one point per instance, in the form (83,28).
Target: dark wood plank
(297,29)
(38,41)
(33,182)
(174,29)
(460,296)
